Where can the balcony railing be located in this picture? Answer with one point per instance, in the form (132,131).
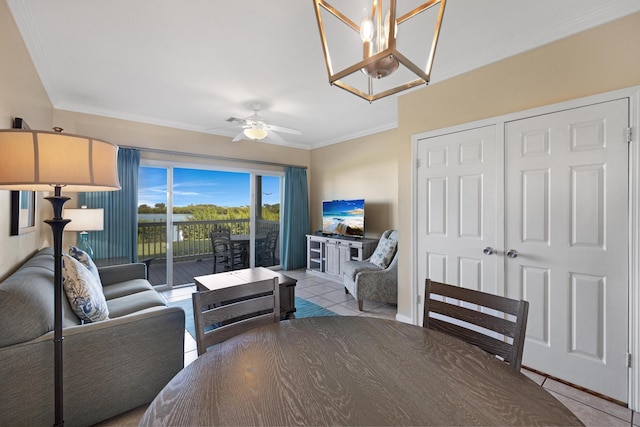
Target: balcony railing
(191,238)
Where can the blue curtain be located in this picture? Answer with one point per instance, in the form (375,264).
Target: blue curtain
(295,218)
(119,239)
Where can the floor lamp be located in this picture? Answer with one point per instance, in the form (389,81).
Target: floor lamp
(49,161)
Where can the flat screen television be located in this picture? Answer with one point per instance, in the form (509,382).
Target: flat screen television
(343,217)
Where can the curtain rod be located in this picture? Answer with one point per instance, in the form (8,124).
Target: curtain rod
(209,156)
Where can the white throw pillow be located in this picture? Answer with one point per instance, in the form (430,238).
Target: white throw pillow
(83,291)
(384,252)
(86,260)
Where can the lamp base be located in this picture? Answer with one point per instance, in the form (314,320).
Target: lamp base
(84,244)
(57,224)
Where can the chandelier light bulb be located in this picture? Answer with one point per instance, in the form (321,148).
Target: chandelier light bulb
(387,27)
(387,65)
(366,29)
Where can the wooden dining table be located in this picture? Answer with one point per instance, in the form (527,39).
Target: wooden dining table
(342,370)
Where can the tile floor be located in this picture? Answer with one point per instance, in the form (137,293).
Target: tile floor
(591,410)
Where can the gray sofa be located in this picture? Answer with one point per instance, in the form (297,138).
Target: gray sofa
(110,366)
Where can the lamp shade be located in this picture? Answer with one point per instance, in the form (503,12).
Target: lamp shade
(84,219)
(38,160)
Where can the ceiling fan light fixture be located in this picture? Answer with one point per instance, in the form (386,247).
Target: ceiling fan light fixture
(255,133)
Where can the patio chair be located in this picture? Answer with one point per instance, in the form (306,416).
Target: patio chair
(509,321)
(225,252)
(266,250)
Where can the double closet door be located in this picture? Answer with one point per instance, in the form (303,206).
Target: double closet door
(537,209)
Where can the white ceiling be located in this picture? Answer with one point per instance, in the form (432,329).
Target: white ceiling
(191,64)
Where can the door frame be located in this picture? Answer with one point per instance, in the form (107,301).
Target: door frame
(633,94)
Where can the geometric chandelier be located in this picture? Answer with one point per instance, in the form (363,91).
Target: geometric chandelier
(374,53)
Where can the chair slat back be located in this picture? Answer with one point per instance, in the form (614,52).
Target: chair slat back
(272,240)
(220,314)
(224,232)
(497,322)
(221,245)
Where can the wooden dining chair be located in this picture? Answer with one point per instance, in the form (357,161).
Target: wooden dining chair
(506,317)
(220,314)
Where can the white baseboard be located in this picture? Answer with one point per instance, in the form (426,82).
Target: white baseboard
(404,319)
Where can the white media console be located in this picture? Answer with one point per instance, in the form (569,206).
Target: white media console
(325,254)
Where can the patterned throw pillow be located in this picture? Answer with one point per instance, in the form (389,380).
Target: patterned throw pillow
(83,291)
(86,260)
(384,252)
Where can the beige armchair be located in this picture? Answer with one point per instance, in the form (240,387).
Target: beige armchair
(375,278)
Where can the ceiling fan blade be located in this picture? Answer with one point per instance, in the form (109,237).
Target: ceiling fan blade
(238,137)
(284,130)
(223,127)
(232,122)
(275,137)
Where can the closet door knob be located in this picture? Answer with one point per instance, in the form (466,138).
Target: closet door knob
(512,253)
(488,250)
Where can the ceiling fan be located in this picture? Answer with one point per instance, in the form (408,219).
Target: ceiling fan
(256,128)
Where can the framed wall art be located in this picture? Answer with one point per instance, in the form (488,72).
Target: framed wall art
(23,212)
(23,203)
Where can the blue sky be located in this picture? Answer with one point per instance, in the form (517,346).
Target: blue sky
(196,186)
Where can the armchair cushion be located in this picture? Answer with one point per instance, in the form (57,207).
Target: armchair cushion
(384,253)
(352,268)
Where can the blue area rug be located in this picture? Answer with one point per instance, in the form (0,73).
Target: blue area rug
(304,308)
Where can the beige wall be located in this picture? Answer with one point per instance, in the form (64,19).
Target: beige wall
(21,95)
(193,144)
(595,61)
(366,168)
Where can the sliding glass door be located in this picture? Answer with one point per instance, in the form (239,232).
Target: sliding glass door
(153,196)
(267,220)
(177,246)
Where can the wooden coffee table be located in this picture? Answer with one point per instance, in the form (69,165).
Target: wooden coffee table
(237,277)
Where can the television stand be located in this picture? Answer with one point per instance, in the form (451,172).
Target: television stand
(325,254)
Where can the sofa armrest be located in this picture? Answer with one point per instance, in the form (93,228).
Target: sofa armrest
(110,367)
(380,285)
(119,273)
(120,364)
(388,274)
